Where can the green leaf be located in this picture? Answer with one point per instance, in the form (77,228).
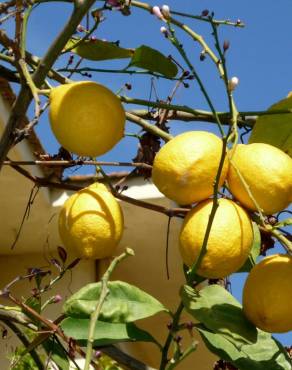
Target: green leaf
(152,60)
(98,49)
(105,333)
(275,129)
(228,334)
(255,250)
(124,303)
(56,353)
(265,354)
(219,311)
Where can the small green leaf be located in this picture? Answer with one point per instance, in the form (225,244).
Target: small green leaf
(98,50)
(105,333)
(255,250)
(152,60)
(265,354)
(275,129)
(124,303)
(56,353)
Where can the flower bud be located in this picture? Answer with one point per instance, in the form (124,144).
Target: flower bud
(156,11)
(58,298)
(165,11)
(232,83)
(164,31)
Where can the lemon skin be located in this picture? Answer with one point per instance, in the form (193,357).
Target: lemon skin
(185,168)
(229,242)
(91,222)
(86,118)
(268,173)
(267,294)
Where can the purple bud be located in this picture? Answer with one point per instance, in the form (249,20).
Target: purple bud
(58,298)
(226,45)
(205,13)
(80,28)
(98,354)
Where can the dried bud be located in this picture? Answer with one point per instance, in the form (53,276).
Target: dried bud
(226,45)
(203,55)
(205,13)
(232,83)
(156,11)
(128,86)
(165,11)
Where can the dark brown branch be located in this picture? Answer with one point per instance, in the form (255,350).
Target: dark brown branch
(77,162)
(43,182)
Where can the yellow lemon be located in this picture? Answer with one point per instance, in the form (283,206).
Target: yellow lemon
(267,294)
(86,118)
(268,173)
(91,222)
(229,242)
(185,168)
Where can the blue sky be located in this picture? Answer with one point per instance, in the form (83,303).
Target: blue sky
(260,55)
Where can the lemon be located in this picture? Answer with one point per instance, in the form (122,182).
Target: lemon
(91,222)
(86,118)
(267,294)
(185,168)
(268,173)
(229,242)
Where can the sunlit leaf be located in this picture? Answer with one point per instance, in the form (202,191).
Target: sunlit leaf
(98,49)
(152,60)
(124,303)
(275,129)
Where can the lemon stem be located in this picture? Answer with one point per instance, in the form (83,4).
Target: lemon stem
(104,292)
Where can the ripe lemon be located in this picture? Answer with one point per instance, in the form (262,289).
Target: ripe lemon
(86,118)
(229,242)
(267,294)
(268,173)
(185,168)
(91,222)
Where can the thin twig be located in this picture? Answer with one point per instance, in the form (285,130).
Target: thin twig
(148,127)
